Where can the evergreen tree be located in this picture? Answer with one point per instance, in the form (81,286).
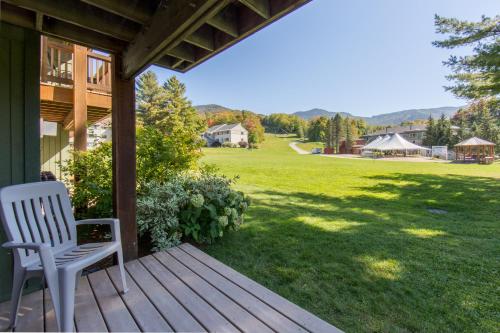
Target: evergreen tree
(181,123)
(338,131)
(150,99)
(348,134)
(475,75)
(430,132)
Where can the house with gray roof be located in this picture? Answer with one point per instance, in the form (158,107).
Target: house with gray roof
(219,134)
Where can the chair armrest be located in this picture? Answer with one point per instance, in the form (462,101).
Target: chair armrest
(27,246)
(113,223)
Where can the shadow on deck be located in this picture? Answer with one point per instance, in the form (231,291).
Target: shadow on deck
(181,289)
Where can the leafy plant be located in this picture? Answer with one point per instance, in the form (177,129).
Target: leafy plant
(198,206)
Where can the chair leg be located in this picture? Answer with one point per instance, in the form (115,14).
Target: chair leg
(17,290)
(77,278)
(119,254)
(67,301)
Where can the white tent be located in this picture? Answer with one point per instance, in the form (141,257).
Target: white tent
(397,142)
(373,143)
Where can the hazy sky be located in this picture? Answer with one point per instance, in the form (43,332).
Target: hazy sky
(365,57)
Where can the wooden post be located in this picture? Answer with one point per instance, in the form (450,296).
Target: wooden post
(80,96)
(124,164)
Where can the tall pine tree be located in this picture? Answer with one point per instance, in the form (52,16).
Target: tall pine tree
(150,99)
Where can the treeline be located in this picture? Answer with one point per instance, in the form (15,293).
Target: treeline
(248,119)
(332,131)
(282,123)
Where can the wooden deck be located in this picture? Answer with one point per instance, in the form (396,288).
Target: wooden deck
(181,289)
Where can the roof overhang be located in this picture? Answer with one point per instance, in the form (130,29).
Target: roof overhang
(175,34)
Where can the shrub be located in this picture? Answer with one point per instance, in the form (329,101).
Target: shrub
(228,145)
(197,206)
(243,144)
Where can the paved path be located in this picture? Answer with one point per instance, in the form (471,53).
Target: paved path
(301,151)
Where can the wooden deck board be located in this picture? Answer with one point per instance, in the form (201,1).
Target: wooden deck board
(114,311)
(238,316)
(264,312)
(181,289)
(145,314)
(210,318)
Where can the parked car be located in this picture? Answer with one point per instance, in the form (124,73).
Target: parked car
(316,151)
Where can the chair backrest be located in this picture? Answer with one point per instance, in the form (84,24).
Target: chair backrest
(39,213)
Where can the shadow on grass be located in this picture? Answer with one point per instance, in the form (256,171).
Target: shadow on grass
(380,261)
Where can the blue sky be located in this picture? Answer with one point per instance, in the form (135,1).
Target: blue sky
(365,57)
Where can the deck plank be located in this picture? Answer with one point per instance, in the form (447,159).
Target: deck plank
(176,315)
(31,313)
(4,316)
(145,314)
(88,317)
(50,314)
(287,308)
(114,311)
(231,310)
(201,310)
(261,310)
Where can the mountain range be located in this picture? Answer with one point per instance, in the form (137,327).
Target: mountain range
(392,118)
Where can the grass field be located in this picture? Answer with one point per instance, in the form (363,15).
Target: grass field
(310,145)
(353,241)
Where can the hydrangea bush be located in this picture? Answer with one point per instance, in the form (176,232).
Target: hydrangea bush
(197,206)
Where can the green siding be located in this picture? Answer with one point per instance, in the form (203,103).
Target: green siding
(19,119)
(54,150)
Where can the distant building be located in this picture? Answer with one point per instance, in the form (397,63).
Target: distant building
(355,147)
(232,133)
(413,133)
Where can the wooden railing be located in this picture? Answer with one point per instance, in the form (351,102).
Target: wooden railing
(57,66)
(56,62)
(98,72)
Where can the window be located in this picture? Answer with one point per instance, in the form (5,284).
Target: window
(242,133)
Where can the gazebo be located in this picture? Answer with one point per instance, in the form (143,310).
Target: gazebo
(475,150)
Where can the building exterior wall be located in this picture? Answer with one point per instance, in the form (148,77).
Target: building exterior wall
(19,120)
(234,135)
(54,150)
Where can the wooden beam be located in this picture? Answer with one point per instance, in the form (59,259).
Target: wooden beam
(82,36)
(171,23)
(226,21)
(124,165)
(69,121)
(39,21)
(80,97)
(136,11)
(261,7)
(203,37)
(83,15)
(248,23)
(183,51)
(17,16)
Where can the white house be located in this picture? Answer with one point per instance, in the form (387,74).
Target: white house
(232,133)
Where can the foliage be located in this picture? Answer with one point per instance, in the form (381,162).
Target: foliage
(480,118)
(364,225)
(476,75)
(229,145)
(91,188)
(317,130)
(282,123)
(439,133)
(199,206)
(150,99)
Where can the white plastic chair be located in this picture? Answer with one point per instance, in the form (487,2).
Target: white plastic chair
(41,230)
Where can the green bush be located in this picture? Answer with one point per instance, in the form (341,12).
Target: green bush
(89,177)
(197,206)
(88,174)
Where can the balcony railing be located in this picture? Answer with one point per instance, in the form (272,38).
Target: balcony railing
(57,62)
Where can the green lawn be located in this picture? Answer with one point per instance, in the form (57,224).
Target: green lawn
(310,145)
(353,242)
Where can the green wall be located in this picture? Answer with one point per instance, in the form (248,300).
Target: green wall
(54,150)
(19,119)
